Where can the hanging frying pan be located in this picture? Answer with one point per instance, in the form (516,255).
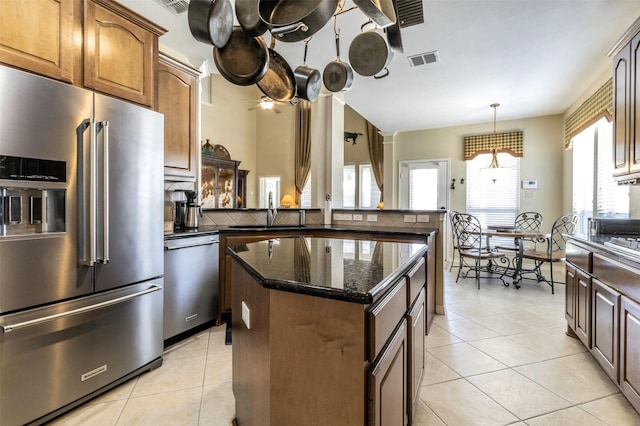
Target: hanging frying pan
(211,21)
(244,60)
(279,83)
(249,19)
(295,20)
(308,80)
(337,75)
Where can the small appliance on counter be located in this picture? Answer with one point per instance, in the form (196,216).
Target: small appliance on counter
(180,214)
(193,210)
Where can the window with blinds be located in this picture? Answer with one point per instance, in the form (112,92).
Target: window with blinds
(612,199)
(594,189)
(305,197)
(349,186)
(493,202)
(369,191)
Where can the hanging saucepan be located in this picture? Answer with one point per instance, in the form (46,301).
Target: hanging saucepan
(393,33)
(369,53)
(308,80)
(337,75)
(295,20)
(279,83)
(249,19)
(244,60)
(211,21)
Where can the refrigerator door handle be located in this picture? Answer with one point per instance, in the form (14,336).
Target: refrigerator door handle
(10,327)
(105,193)
(93,163)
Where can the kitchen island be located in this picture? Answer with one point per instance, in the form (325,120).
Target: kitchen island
(327,330)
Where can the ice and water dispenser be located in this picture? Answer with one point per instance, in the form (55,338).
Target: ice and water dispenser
(32,199)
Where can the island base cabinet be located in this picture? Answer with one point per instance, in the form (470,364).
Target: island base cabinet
(297,359)
(630,350)
(387,383)
(605,314)
(417,326)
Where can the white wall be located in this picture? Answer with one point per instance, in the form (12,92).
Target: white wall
(542,160)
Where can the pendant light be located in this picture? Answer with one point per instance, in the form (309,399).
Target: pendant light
(494,169)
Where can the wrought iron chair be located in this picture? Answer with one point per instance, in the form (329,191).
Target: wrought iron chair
(453,238)
(555,250)
(469,241)
(526,221)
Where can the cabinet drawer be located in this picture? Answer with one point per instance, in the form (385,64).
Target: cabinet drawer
(416,279)
(580,257)
(620,276)
(384,317)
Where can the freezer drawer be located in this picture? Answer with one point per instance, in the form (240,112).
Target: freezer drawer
(190,283)
(53,356)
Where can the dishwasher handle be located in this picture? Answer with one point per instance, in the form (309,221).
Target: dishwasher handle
(9,327)
(189,245)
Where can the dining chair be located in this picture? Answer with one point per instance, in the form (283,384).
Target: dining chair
(555,250)
(453,238)
(469,241)
(525,221)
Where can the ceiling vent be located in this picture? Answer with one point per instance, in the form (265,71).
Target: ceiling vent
(423,58)
(177,7)
(410,12)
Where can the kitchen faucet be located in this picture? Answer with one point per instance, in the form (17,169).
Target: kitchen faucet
(272,212)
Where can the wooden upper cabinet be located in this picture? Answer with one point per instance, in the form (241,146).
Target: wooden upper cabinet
(621,111)
(120,52)
(42,36)
(178,101)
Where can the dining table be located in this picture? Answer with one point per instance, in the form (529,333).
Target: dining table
(518,236)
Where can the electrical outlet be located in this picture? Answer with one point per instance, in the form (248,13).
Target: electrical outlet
(357,217)
(423,218)
(410,218)
(339,216)
(246,315)
(372,218)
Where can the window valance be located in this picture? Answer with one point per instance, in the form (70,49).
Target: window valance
(599,105)
(509,142)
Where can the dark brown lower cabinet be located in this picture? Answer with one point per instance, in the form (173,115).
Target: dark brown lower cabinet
(583,307)
(604,326)
(630,350)
(387,382)
(417,325)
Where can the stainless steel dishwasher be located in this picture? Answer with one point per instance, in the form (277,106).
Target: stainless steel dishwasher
(190,282)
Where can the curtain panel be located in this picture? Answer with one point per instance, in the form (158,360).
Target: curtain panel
(509,142)
(302,159)
(376,154)
(599,105)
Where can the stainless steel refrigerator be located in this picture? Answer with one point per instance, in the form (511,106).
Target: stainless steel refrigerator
(81,244)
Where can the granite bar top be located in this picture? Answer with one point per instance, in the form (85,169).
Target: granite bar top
(357,271)
(207,229)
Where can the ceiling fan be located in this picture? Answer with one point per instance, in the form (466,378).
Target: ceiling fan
(267,104)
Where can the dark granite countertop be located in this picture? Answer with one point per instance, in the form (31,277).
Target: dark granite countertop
(357,271)
(597,244)
(207,229)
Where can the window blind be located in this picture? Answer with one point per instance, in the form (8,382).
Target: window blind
(493,203)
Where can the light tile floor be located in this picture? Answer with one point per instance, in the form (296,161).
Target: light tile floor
(499,356)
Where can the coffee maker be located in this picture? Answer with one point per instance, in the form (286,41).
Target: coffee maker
(193,210)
